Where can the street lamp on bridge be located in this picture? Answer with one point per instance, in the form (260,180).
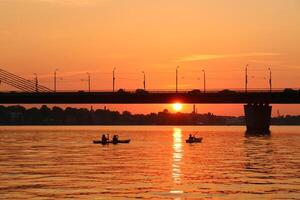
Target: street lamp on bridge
(89,81)
(246,78)
(55,79)
(36,82)
(204,81)
(144,82)
(114,79)
(270,79)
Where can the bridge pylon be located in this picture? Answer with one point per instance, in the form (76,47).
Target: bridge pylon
(258,118)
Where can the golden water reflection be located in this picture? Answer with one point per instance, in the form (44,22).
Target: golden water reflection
(177,155)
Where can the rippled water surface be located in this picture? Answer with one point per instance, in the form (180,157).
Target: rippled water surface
(63,163)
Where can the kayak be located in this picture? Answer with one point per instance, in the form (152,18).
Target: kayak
(110,141)
(121,141)
(194,140)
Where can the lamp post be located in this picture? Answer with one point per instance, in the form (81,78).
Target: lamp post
(36,82)
(114,78)
(177,78)
(55,79)
(270,79)
(144,82)
(204,81)
(89,81)
(246,78)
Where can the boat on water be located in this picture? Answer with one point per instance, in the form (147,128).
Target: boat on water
(194,140)
(111,142)
(105,140)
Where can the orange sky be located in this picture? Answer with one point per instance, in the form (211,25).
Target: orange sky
(220,36)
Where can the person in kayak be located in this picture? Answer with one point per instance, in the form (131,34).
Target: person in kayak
(191,137)
(115,139)
(103,139)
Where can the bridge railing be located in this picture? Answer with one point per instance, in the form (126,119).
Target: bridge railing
(162,91)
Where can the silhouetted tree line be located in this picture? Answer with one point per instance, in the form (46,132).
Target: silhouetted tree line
(18,115)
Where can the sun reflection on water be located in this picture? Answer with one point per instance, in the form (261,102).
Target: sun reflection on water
(177,155)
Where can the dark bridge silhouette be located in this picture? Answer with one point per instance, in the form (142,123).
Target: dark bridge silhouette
(151,97)
(256,103)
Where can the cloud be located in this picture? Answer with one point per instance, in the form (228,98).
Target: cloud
(68,2)
(201,57)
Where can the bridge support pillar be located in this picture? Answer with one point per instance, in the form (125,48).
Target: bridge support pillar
(258,117)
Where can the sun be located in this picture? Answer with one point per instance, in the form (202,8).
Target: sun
(177,106)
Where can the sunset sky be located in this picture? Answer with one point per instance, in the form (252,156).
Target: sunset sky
(220,36)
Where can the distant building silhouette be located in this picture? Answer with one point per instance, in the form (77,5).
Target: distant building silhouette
(18,115)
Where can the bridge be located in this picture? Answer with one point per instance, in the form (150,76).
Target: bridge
(256,102)
(152,97)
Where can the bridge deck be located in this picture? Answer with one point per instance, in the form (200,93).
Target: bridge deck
(150,98)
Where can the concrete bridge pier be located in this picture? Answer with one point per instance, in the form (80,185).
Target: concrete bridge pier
(258,117)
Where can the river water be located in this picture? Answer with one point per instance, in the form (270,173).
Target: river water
(63,163)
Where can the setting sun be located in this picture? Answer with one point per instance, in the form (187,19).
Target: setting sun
(177,106)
